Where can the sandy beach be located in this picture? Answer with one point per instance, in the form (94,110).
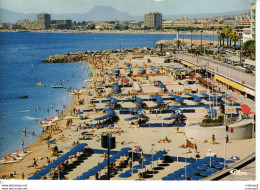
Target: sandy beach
(127,134)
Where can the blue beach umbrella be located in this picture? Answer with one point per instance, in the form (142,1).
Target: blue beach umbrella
(229,161)
(204,167)
(221,166)
(147,162)
(130,171)
(196,177)
(168,178)
(125,175)
(217,159)
(180,178)
(138,166)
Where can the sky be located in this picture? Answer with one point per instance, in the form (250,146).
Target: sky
(132,7)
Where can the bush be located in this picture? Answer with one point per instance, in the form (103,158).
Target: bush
(209,122)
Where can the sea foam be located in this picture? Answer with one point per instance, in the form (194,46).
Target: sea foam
(31,118)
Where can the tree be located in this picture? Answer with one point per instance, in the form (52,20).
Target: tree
(234,37)
(91,27)
(125,27)
(178,43)
(222,37)
(249,47)
(117,27)
(146,28)
(227,31)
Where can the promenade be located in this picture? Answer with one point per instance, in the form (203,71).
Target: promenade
(222,69)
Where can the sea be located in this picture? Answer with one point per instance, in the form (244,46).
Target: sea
(21,68)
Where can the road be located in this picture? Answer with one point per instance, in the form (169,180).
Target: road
(226,70)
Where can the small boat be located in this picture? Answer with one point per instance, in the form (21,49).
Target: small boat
(89,80)
(39,84)
(23,97)
(57,86)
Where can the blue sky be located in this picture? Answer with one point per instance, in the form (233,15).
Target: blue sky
(132,7)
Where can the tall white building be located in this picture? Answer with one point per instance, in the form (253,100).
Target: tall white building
(249,33)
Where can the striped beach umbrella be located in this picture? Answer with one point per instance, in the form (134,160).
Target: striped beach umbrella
(137,149)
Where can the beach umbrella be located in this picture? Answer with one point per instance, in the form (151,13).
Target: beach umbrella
(125,175)
(138,167)
(168,178)
(147,162)
(125,80)
(217,159)
(229,161)
(137,149)
(220,166)
(130,171)
(196,177)
(180,178)
(195,170)
(234,158)
(245,108)
(204,167)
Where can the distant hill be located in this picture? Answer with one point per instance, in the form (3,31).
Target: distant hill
(101,13)
(12,17)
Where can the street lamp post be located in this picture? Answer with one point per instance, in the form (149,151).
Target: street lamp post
(218,38)
(240,55)
(201,40)
(191,40)
(210,157)
(152,160)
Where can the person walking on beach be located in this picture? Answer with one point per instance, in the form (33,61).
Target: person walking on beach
(22,143)
(130,163)
(196,148)
(213,139)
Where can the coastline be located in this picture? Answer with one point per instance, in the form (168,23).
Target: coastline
(38,144)
(114,32)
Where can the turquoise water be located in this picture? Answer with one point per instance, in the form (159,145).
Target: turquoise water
(21,68)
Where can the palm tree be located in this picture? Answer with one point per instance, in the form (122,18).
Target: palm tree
(234,37)
(178,43)
(222,37)
(227,31)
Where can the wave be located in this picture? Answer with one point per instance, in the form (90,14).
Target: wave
(25,111)
(31,118)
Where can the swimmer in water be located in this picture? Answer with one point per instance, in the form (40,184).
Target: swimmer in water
(24,131)
(51,106)
(37,108)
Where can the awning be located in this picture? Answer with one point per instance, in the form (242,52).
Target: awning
(205,82)
(230,83)
(249,91)
(187,64)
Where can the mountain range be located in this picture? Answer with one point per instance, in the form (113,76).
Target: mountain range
(101,13)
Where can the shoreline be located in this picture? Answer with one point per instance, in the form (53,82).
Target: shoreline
(33,146)
(113,32)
